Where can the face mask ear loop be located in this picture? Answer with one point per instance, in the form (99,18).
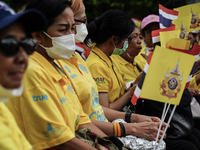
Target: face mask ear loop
(41,45)
(47,34)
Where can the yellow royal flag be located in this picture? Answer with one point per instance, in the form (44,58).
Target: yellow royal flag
(167,75)
(167,35)
(188,9)
(178,43)
(183,24)
(193,11)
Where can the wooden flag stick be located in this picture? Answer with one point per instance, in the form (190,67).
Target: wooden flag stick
(172,113)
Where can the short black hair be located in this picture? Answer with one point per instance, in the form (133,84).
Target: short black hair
(50,8)
(112,22)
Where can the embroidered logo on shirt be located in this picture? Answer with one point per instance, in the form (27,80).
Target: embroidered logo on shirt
(99,80)
(40,98)
(83,68)
(70,89)
(51,131)
(63,100)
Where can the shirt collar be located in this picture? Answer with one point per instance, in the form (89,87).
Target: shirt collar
(46,65)
(102,56)
(123,61)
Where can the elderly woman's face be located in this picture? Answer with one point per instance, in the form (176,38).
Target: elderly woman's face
(64,24)
(134,47)
(12,68)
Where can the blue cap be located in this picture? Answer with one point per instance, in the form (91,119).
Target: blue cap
(32,20)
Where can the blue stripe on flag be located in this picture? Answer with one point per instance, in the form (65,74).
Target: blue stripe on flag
(165,21)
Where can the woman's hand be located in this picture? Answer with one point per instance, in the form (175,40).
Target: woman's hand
(147,130)
(193,91)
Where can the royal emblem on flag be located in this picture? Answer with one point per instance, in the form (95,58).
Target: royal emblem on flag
(171,85)
(183,32)
(195,21)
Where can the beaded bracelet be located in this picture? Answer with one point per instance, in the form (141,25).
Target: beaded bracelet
(128,117)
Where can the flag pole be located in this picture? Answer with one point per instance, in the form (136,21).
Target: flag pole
(164,113)
(160,125)
(172,113)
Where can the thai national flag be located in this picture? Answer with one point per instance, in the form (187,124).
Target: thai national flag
(166,16)
(138,89)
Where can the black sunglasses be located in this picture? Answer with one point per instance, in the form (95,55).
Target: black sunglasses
(9,46)
(82,21)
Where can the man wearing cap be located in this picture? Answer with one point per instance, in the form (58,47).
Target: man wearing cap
(149,23)
(14,51)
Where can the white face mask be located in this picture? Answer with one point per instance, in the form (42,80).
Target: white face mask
(7,93)
(81,32)
(63,46)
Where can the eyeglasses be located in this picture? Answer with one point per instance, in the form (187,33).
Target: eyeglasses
(9,46)
(82,21)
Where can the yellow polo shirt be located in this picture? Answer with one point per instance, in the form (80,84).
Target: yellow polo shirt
(106,75)
(193,83)
(129,70)
(80,77)
(48,112)
(11,136)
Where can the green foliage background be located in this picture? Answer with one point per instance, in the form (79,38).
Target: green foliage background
(135,8)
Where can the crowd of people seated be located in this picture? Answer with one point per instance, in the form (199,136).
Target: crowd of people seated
(50,92)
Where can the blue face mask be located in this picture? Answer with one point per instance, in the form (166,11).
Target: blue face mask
(118,51)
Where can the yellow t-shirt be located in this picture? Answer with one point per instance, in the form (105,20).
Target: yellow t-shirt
(193,83)
(11,136)
(129,70)
(48,112)
(106,75)
(86,89)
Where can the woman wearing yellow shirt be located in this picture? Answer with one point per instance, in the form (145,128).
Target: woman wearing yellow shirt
(129,62)
(112,33)
(14,50)
(77,71)
(48,112)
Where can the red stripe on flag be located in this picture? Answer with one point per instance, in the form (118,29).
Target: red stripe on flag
(134,100)
(194,51)
(187,85)
(168,11)
(149,58)
(157,32)
(80,45)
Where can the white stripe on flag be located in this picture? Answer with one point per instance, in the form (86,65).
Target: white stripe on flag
(137,92)
(156,39)
(168,16)
(197,57)
(146,67)
(189,78)
(161,26)
(79,48)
